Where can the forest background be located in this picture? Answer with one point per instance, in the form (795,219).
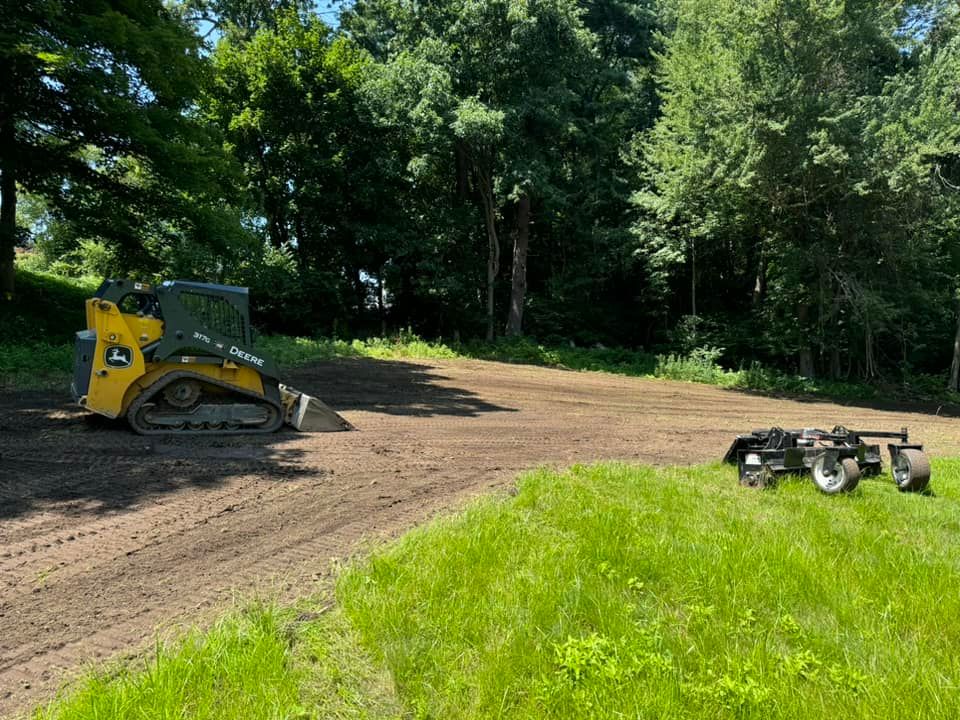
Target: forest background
(766,183)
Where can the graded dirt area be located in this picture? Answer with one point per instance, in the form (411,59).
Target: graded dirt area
(106,536)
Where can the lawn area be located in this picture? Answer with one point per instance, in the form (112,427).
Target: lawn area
(605,591)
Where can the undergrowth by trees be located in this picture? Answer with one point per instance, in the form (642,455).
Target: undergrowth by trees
(776,178)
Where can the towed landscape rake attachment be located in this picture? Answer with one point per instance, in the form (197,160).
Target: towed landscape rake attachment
(835,460)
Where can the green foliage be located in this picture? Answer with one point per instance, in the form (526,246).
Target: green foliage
(36,333)
(50,309)
(699,366)
(291,352)
(770,171)
(34,365)
(96,120)
(503,101)
(611,591)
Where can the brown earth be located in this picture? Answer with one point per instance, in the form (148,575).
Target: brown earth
(106,535)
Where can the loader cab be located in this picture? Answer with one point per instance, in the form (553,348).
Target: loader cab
(134,299)
(224,309)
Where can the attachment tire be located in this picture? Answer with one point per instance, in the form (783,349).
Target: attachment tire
(911,470)
(844,476)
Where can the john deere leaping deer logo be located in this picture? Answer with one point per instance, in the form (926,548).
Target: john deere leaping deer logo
(118,356)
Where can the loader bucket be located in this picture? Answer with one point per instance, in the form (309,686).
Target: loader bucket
(308,414)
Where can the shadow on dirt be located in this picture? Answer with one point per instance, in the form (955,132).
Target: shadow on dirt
(91,465)
(388,386)
(52,452)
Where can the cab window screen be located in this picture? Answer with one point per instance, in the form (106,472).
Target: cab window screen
(215,313)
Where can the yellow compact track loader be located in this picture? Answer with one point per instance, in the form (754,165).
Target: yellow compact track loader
(178,358)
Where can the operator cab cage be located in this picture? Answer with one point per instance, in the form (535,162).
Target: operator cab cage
(225,309)
(204,322)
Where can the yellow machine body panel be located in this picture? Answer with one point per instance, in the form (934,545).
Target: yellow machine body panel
(239,377)
(120,372)
(118,360)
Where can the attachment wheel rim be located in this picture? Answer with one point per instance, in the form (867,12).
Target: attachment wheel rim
(842,476)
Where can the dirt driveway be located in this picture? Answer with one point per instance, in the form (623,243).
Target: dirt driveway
(106,535)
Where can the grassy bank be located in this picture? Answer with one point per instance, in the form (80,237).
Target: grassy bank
(36,332)
(603,592)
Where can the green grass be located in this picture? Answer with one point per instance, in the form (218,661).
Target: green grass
(606,591)
(35,366)
(240,668)
(36,330)
(258,662)
(611,592)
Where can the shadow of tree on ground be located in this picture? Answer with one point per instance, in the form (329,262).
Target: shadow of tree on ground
(52,452)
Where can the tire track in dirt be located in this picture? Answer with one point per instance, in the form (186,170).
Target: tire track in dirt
(167,529)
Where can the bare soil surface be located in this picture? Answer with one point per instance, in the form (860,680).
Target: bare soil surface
(106,536)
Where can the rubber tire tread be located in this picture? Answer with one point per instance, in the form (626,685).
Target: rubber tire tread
(851,471)
(919,466)
(851,477)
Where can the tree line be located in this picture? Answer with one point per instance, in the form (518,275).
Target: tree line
(776,178)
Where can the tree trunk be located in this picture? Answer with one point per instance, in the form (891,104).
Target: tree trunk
(277,226)
(518,287)
(463,169)
(693,283)
(955,365)
(8,209)
(381,304)
(493,243)
(360,292)
(805,359)
(869,354)
(837,332)
(760,283)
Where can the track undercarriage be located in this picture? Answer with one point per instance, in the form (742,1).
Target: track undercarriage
(184,401)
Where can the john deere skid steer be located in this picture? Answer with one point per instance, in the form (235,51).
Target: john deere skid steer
(178,358)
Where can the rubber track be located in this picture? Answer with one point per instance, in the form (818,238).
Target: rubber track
(152,391)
